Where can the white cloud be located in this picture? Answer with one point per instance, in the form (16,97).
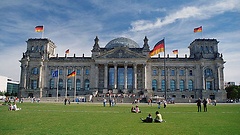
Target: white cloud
(190,12)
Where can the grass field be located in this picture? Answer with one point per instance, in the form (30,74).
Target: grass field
(94,119)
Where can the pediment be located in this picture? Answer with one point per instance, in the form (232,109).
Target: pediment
(122,52)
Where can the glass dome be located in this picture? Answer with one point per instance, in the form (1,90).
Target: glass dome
(122,42)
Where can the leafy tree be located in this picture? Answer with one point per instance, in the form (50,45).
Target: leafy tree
(233,92)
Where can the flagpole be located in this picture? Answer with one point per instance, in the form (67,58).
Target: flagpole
(75,86)
(57,83)
(66,89)
(43,31)
(165,70)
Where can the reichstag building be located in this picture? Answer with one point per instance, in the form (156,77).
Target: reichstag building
(123,66)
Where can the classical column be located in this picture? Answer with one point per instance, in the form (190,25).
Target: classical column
(82,79)
(97,76)
(186,79)
(145,76)
(115,76)
(135,76)
(177,79)
(105,76)
(40,80)
(125,76)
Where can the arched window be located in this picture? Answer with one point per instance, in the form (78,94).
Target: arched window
(87,72)
(154,72)
(86,84)
(35,71)
(34,84)
(190,85)
(51,83)
(36,49)
(172,85)
(208,72)
(69,84)
(60,84)
(163,87)
(181,85)
(154,84)
(78,84)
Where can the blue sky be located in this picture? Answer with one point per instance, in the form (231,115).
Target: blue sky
(73,24)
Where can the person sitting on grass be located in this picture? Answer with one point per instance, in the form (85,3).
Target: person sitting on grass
(133,109)
(10,107)
(15,108)
(158,118)
(137,110)
(148,119)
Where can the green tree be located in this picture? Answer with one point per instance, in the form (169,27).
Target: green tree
(233,92)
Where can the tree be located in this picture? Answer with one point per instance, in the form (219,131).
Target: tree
(233,92)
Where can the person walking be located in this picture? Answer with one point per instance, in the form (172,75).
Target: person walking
(199,104)
(205,105)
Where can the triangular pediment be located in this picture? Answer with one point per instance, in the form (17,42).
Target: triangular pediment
(121,52)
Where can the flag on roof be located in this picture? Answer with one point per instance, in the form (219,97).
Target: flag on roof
(175,51)
(73,73)
(159,47)
(39,28)
(67,51)
(198,29)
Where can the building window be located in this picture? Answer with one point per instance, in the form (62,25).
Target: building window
(87,72)
(202,50)
(163,85)
(190,73)
(51,83)
(208,85)
(86,86)
(190,85)
(181,85)
(34,84)
(42,48)
(154,85)
(78,84)
(36,49)
(181,72)
(172,73)
(35,71)
(78,72)
(60,84)
(208,72)
(154,72)
(111,78)
(32,48)
(60,72)
(69,71)
(211,49)
(130,78)
(163,72)
(172,85)
(69,84)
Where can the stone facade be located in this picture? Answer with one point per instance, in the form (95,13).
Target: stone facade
(123,67)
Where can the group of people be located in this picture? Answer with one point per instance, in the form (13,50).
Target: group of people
(199,102)
(135,109)
(149,119)
(13,107)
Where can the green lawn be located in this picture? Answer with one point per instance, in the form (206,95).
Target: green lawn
(87,118)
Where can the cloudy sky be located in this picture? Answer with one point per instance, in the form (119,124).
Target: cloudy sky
(73,24)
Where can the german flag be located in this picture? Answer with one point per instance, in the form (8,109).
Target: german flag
(175,51)
(67,51)
(198,29)
(159,47)
(72,74)
(39,28)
